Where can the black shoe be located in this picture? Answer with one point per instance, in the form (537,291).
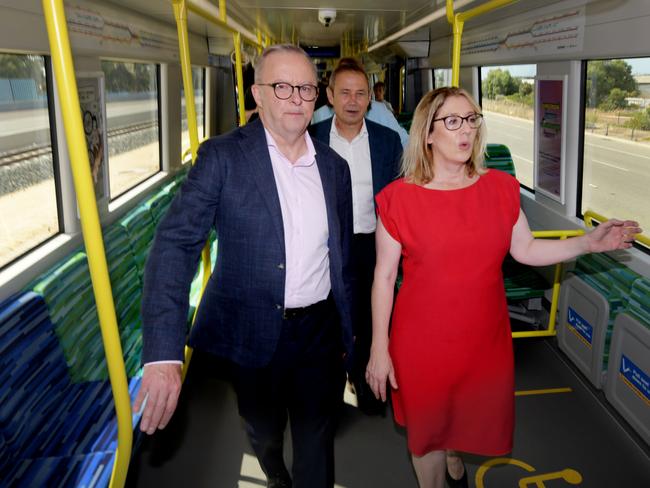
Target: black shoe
(459,483)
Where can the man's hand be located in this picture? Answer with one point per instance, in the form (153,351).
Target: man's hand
(161,385)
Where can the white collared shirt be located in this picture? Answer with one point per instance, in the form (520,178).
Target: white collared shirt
(357,154)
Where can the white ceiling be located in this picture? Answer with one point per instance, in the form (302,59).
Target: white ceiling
(297,20)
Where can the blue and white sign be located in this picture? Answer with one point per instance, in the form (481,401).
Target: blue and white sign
(583,328)
(635,378)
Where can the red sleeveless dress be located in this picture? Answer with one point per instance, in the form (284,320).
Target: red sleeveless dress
(450,338)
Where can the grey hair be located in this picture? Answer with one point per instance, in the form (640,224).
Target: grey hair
(279,48)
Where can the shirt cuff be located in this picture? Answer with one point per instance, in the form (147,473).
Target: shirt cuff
(171,361)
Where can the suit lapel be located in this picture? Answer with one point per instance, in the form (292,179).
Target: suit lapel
(254,146)
(376,152)
(328,181)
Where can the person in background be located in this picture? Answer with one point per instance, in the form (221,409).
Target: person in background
(373,153)
(278,305)
(379,89)
(377,112)
(449,357)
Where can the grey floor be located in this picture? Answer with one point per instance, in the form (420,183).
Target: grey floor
(205,446)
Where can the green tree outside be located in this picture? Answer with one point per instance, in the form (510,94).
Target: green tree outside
(603,77)
(500,82)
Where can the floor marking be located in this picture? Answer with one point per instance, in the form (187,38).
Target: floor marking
(636,155)
(543,392)
(610,165)
(569,475)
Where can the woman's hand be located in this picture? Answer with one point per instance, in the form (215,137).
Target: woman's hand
(380,368)
(613,234)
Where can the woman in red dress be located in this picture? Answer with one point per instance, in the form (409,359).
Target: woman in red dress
(449,357)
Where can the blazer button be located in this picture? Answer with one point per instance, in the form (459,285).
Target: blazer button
(278,306)
(281,266)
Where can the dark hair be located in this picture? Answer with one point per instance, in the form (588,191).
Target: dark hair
(347,65)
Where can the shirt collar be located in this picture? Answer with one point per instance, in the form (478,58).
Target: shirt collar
(362,133)
(307,159)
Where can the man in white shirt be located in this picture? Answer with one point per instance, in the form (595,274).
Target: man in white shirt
(373,153)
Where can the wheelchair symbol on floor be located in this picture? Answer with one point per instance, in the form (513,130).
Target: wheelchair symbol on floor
(534,481)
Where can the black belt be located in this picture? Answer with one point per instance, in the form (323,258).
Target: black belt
(295,313)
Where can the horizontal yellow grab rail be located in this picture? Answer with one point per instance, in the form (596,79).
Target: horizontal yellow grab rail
(590,216)
(212,13)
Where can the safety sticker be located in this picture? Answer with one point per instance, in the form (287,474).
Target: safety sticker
(634,377)
(583,329)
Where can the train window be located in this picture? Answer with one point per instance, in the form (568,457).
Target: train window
(132,101)
(508,107)
(441,77)
(615,176)
(28,195)
(198,79)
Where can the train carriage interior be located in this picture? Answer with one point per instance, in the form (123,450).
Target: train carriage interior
(103,104)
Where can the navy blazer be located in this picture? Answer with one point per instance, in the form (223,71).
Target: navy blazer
(385,150)
(232,188)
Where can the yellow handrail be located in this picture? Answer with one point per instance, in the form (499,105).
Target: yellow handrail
(57,31)
(240,79)
(180,14)
(590,216)
(206,10)
(458,21)
(550,330)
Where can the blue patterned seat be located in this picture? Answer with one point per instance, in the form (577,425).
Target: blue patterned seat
(43,413)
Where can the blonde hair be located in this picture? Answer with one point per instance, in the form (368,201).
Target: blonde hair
(417,162)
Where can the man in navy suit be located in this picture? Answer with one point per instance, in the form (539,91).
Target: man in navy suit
(278,305)
(373,154)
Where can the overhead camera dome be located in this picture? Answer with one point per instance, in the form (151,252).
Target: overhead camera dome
(326,16)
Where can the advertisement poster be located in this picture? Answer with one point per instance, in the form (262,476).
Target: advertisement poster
(91,101)
(550,126)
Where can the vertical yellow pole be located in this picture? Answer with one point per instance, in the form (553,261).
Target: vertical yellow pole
(180,13)
(240,78)
(62,63)
(259,42)
(222,9)
(455,62)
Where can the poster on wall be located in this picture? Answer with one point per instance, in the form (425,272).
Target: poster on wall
(550,126)
(91,102)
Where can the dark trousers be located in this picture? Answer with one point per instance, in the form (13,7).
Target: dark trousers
(363,260)
(304,383)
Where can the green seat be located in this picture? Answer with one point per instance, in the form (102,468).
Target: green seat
(127,294)
(158,205)
(140,228)
(497,156)
(68,293)
(639,303)
(613,280)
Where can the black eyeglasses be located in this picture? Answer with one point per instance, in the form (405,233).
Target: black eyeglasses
(284,91)
(454,122)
